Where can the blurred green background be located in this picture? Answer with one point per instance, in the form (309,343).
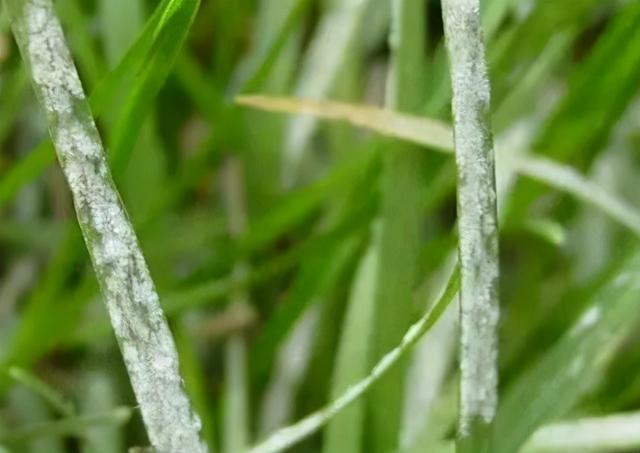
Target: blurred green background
(290,253)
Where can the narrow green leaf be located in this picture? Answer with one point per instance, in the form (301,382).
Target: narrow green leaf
(400,222)
(345,431)
(617,432)
(569,369)
(289,436)
(71,426)
(168,40)
(49,394)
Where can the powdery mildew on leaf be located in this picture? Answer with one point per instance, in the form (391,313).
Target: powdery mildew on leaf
(137,318)
(478,231)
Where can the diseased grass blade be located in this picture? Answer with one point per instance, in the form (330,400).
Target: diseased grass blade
(105,92)
(74,19)
(477,214)
(553,385)
(438,136)
(289,436)
(138,320)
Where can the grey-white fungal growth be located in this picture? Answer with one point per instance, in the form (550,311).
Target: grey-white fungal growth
(137,318)
(477,224)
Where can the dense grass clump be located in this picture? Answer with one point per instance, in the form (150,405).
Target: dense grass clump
(337,226)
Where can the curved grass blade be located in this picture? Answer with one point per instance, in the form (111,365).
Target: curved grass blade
(438,136)
(43,389)
(139,322)
(289,436)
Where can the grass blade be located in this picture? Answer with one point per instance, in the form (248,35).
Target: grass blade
(40,387)
(344,432)
(438,136)
(289,436)
(477,224)
(236,422)
(400,220)
(618,432)
(328,52)
(105,92)
(567,371)
(68,426)
(169,36)
(139,323)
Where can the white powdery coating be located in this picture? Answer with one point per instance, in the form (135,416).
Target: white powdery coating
(478,243)
(138,321)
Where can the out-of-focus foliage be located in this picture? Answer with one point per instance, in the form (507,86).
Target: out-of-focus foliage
(327,290)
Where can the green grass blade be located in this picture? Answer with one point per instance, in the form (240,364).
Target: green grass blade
(120,21)
(169,37)
(401,220)
(236,415)
(73,426)
(345,431)
(263,60)
(617,432)
(289,436)
(569,369)
(49,394)
(328,51)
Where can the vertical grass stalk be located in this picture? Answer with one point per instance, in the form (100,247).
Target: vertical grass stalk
(237,411)
(400,221)
(477,223)
(128,291)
